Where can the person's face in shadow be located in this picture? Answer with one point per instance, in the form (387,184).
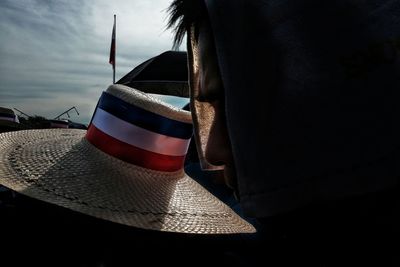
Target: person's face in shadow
(210,98)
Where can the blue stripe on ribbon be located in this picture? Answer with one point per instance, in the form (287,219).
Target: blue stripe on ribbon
(143,118)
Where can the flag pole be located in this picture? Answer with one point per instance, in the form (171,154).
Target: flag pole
(115,35)
(113,47)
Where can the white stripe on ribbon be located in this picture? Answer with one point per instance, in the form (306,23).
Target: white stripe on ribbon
(7,119)
(139,137)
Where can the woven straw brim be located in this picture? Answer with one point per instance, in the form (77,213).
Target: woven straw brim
(59,166)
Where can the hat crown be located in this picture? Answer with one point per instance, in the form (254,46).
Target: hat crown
(149,103)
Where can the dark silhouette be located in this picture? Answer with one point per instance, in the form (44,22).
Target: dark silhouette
(298,101)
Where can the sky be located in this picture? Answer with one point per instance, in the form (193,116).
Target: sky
(54,53)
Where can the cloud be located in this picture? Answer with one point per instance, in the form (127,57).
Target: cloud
(55,53)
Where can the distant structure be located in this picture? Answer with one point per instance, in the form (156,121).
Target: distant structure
(59,124)
(9,121)
(39,122)
(63,123)
(23,113)
(76,125)
(66,112)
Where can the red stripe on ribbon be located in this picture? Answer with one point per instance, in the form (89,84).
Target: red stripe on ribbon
(132,154)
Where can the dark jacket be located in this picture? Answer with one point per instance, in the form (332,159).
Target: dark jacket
(312,98)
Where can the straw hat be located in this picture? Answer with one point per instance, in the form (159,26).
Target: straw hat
(126,168)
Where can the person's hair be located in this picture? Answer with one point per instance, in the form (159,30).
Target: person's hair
(185,15)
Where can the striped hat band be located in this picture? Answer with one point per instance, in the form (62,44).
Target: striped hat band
(139,136)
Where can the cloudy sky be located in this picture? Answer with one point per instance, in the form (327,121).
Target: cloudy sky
(54,53)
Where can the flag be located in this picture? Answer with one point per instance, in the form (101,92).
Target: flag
(112,49)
